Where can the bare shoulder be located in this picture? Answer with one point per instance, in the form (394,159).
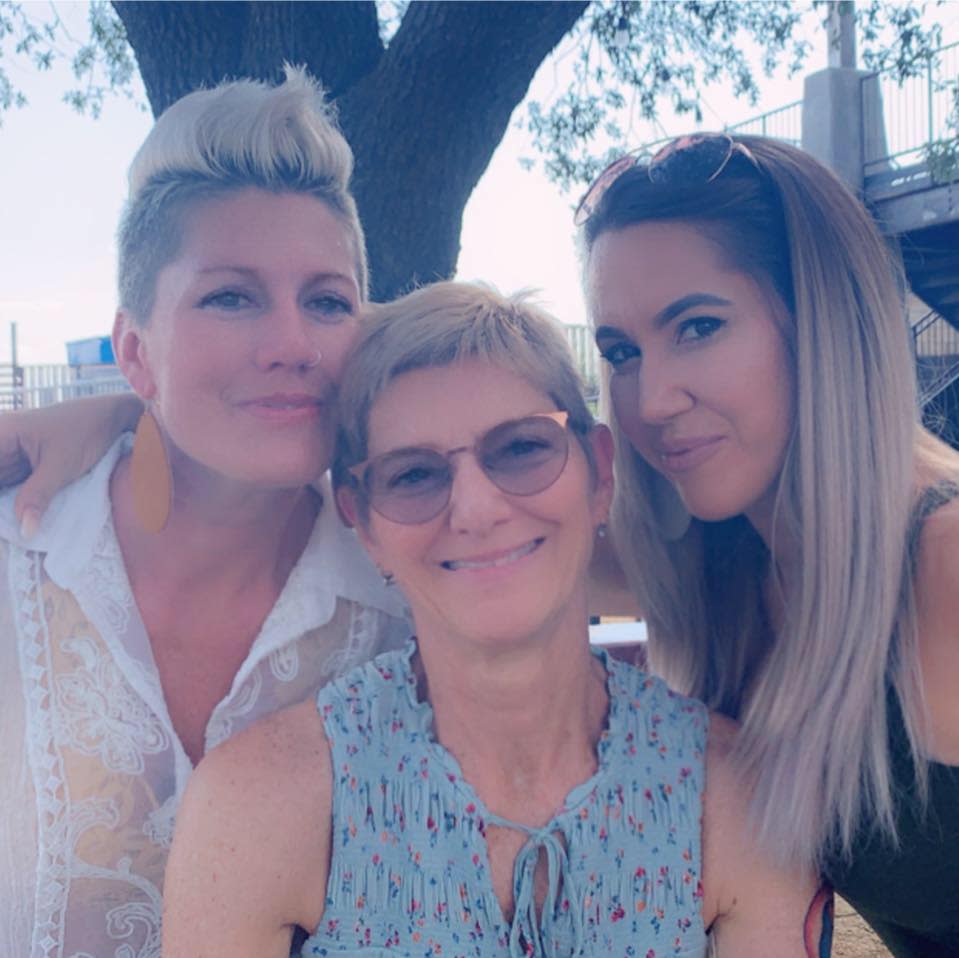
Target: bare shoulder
(937,608)
(725,787)
(290,741)
(274,776)
(752,905)
(725,808)
(251,850)
(937,567)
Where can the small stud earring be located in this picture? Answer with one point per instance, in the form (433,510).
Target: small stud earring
(601,530)
(388,578)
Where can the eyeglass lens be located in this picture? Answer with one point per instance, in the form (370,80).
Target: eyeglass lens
(522,457)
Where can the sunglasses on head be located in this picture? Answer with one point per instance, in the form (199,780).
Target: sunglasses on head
(693,159)
(521,457)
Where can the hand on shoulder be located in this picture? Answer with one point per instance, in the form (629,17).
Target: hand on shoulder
(48,448)
(753,907)
(251,849)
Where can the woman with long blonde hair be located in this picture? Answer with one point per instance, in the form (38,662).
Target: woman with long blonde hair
(788,526)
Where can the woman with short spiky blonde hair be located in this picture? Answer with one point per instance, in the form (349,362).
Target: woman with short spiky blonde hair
(184,589)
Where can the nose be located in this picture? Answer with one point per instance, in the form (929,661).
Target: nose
(477,504)
(288,338)
(661,393)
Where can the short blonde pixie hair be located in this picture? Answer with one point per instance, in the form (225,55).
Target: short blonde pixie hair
(211,143)
(443,324)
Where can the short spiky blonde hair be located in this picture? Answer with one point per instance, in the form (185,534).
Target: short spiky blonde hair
(213,142)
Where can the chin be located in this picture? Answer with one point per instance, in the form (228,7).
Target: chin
(275,474)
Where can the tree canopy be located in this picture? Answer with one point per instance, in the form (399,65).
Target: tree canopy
(425,90)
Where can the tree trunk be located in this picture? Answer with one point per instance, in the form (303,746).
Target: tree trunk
(424,115)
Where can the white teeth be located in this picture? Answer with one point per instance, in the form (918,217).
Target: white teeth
(453,566)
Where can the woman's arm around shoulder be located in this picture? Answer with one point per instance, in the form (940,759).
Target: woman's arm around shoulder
(52,446)
(251,851)
(754,908)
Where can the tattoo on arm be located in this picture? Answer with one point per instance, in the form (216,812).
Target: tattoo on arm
(818,925)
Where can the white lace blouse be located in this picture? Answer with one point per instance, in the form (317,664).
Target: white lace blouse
(91,770)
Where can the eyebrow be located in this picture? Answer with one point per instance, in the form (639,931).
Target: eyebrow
(478,438)
(670,312)
(253,273)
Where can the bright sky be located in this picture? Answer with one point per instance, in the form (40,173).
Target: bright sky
(63,182)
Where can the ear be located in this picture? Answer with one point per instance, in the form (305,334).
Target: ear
(604,449)
(129,349)
(347,506)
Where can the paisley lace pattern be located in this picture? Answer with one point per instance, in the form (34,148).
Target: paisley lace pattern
(106,767)
(102,715)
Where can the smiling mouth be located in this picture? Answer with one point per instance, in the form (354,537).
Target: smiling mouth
(286,402)
(676,460)
(455,565)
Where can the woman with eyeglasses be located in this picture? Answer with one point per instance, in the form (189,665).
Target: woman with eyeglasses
(789,527)
(496,788)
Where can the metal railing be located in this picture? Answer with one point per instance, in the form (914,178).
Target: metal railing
(580,339)
(915,112)
(783,123)
(936,348)
(44,385)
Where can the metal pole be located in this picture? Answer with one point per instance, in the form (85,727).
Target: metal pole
(842,34)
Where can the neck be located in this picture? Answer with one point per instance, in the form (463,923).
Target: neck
(523,715)
(216,531)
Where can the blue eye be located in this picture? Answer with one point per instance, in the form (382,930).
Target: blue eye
(698,328)
(522,447)
(407,475)
(620,354)
(330,307)
(413,476)
(226,299)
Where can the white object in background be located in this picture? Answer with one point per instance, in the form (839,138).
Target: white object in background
(616,633)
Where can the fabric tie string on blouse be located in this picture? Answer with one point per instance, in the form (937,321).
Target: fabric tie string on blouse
(527,933)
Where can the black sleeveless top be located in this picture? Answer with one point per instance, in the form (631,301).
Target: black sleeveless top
(910,894)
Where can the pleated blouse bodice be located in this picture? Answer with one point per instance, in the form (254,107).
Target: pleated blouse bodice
(410,873)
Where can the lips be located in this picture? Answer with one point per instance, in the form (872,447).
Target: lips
(284,406)
(493,560)
(680,455)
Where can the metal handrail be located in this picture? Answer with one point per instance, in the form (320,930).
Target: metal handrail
(783,123)
(915,110)
(935,344)
(786,119)
(33,396)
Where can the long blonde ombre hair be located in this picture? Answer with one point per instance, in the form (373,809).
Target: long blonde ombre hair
(810,695)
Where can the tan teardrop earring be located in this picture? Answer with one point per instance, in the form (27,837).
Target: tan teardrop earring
(150,475)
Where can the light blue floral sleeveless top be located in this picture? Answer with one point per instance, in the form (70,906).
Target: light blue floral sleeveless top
(409,872)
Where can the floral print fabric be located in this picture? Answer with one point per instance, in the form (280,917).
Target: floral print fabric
(409,871)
